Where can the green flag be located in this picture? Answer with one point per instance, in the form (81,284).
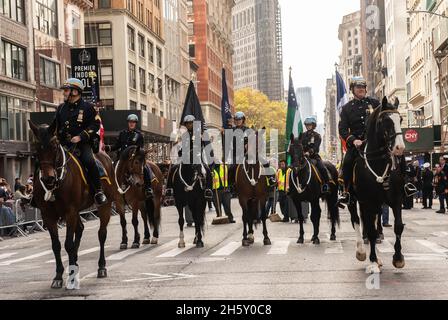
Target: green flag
(293,119)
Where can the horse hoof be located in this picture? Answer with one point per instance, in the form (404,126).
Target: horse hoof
(301,241)
(199,244)
(399,263)
(251,238)
(246,243)
(316,241)
(361,256)
(380,263)
(267,242)
(123,246)
(195,241)
(146,241)
(181,245)
(333,237)
(154,240)
(57,284)
(366,241)
(135,245)
(102,273)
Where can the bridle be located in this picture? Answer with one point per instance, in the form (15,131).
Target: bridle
(130,179)
(301,166)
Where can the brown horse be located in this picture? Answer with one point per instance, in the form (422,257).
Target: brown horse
(61,191)
(130,182)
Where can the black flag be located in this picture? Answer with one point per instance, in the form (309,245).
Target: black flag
(192,106)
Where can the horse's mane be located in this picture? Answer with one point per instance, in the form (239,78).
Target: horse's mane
(371,123)
(125,155)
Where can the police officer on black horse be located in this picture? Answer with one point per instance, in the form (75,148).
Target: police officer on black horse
(352,128)
(77,124)
(133,137)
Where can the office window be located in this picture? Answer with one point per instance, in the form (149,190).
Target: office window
(14,115)
(160,88)
(47,16)
(106,73)
(143,107)
(159,57)
(13,61)
(131,39)
(133,105)
(49,72)
(141,45)
(151,83)
(98,34)
(151,51)
(75,29)
(13,9)
(142,77)
(132,80)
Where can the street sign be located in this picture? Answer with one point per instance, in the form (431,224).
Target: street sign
(419,139)
(85,68)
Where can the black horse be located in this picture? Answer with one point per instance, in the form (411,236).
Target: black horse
(305,186)
(378,180)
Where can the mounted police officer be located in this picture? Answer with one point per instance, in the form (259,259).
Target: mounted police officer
(133,137)
(311,141)
(77,124)
(188,122)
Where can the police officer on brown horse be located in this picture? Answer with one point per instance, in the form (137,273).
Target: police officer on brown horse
(77,124)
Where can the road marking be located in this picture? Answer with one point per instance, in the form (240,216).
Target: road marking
(80,254)
(385,247)
(433,246)
(425,257)
(175,252)
(441,234)
(427,223)
(227,250)
(129,252)
(37,255)
(7,255)
(279,248)
(154,277)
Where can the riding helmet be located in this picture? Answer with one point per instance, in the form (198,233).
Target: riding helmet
(73,83)
(189,118)
(133,118)
(358,82)
(240,115)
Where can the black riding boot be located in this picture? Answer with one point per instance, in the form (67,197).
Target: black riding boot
(324,174)
(89,163)
(347,174)
(148,177)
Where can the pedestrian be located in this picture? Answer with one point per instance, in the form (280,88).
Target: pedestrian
(427,186)
(222,196)
(385,216)
(30,179)
(410,176)
(282,190)
(440,186)
(444,167)
(418,181)
(17,184)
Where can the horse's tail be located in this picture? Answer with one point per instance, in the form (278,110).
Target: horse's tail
(154,206)
(153,213)
(332,197)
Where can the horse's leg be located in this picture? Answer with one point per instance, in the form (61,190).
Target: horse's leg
(181,221)
(370,217)
(198,216)
(56,246)
(379,227)
(124,233)
(156,211)
(264,215)
(78,235)
(105,213)
(246,241)
(144,213)
(135,208)
(361,254)
(72,225)
(316,213)
(398,259)
(298,205)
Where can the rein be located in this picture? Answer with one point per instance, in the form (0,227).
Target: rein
(296,184)
(252,181)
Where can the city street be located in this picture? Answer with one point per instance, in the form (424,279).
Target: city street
(226,270)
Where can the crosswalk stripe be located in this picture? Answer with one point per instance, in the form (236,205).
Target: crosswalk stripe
(124,254)
(37,255)
(7,255)
(385,247)
(433,246)
(425,257)
(441,234)
(334,247)
(227,250)
(427,223)
(80,254)
(175,252)
(279,248)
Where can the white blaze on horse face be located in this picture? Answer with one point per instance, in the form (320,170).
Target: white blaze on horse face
(399,146)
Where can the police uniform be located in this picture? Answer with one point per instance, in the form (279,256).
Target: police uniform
(311,141)
(353,126)
(80,119)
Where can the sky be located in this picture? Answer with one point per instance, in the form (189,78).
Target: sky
(310,43)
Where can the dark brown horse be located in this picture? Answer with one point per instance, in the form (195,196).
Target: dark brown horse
(61,191)
(129,175)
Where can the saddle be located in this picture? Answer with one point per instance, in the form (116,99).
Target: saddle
(103,172)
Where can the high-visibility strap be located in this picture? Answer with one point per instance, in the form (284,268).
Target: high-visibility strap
(317,174)
(79,167)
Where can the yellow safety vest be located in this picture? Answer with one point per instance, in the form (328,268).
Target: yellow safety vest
(220,177)
(281,178)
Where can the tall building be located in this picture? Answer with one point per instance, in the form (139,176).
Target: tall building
(305,99)
(257,38)
(351,56)
(176,56)
(131,48)
(17,87)
(211,48)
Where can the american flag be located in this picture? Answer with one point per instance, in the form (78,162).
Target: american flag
(96,103)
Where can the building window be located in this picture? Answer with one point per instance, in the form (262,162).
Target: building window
(141,45)
(75,29)
(159,57)
(151,83)
(108,104)
(106,73)
(14,115)
(132,81)
(151,51)
(13,61)
(143,107)
(133,105)
(47,17)
(49,73)
(98,34)
(13,9)
(160,88)
(142,76)
(131,39)
(104,4)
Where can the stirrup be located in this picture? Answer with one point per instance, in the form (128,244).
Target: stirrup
(345,200)
(410,190)
(149,193)
(100,198)
(326,188)
(169,192)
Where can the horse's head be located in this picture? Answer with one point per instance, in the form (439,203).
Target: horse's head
(385,127)
(133,160)
(296,151)
(47,152)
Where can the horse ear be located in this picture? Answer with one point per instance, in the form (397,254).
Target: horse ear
(385,102)
(34,128)
(397,103)
(291,137)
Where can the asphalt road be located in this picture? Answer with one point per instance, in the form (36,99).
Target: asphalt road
(226,270)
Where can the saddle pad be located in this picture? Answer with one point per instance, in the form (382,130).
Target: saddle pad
(102,170)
